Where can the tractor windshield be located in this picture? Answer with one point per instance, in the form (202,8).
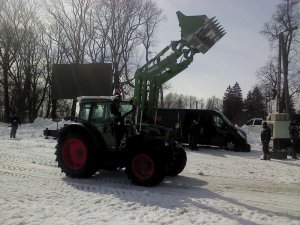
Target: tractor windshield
(126,111)
(125,107)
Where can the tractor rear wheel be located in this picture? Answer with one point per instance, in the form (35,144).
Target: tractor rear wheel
(178,163)
(146,168)
(76,156)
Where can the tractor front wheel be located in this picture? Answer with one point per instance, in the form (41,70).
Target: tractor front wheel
(146,169)
(178,163)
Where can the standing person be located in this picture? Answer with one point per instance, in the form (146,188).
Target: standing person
(294,134)
(15,122)
(177,132)
(193,135)
(265,137)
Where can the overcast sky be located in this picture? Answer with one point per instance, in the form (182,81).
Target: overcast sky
(235,58)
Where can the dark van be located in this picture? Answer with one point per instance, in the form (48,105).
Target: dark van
(213,128)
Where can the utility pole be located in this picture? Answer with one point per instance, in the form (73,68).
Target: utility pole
(283,58)
(285,80)
(278,107)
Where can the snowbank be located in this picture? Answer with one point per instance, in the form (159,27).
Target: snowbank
(216,187)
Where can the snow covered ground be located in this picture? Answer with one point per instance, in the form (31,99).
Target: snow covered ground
(216,187)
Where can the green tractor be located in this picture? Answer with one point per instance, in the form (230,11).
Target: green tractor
(113,133)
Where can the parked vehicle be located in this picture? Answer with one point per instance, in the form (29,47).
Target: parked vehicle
(214,129)
(253,125)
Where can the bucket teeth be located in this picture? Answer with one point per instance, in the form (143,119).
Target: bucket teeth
(204,33)
(209,35)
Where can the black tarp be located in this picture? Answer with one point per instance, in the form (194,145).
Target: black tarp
(73,80)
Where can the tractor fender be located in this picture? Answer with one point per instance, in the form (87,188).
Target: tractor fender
(86,130)
(142,142)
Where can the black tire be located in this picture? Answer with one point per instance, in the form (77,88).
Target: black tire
(178,163)
(230,145)
(246,148)
(146,168)
(76,156)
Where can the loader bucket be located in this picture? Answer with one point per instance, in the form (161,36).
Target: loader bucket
(200,32)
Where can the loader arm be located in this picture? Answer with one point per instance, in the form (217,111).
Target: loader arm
(198,34)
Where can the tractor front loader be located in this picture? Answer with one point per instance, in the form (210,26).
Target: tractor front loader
(113,133)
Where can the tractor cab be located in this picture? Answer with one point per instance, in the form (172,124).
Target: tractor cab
(102,108)
(111,116)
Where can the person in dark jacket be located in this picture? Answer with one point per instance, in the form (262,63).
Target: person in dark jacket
(14,122)
(265,140)
(194,135)
(294,135)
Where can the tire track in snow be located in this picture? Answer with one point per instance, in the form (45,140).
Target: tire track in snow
(84,197)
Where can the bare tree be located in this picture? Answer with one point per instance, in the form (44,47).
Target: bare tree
(98,31)
(53,54)
(16,18)
(268,80)
(193,102)
(72,18)
(153,16)
(121,24)
(283,30)
(9,44)
(214,103)
(179,101)
(123,18)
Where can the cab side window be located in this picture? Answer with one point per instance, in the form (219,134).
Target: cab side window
(250,122)
(101,112)
(218,121)
(258,122)
(84,111)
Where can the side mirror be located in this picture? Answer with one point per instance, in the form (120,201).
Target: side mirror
(224,126)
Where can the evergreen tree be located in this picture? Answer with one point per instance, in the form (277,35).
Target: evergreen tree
(291,105)
(233,104)
(254,105)
(227,105)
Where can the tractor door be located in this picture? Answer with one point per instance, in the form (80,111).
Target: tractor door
(102,118)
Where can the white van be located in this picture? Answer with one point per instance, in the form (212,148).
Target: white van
(253,125)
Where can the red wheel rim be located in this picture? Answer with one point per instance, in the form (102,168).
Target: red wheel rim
(74,154)
(143,166)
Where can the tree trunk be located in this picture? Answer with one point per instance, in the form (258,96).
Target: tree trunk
(279,104)
(6,88)
(73,110)
(285,80)
(116,78)
(53,108)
